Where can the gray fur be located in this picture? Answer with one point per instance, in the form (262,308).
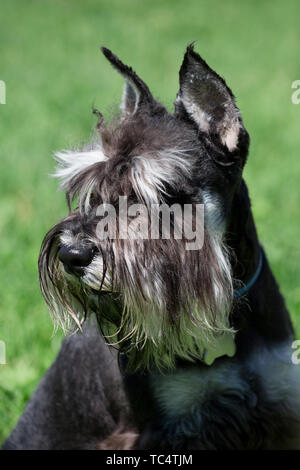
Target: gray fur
(79,401)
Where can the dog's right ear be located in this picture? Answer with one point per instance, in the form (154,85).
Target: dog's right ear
(205,99)
(136,94)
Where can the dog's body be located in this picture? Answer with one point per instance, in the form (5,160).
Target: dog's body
(201,366)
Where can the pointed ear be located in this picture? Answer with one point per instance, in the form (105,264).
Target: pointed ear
(136,93)
(206,99)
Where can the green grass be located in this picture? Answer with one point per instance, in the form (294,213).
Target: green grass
(54,72)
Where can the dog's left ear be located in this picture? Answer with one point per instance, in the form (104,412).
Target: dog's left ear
(206,99)
(136,93)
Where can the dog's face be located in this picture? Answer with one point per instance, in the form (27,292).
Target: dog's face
(153,295)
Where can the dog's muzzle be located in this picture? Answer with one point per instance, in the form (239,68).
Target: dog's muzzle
(76,257)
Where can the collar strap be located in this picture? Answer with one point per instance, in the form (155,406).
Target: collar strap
(238,293)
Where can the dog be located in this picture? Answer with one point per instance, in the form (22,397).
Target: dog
(179,348)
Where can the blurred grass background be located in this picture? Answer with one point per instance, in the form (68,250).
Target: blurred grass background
(54,72)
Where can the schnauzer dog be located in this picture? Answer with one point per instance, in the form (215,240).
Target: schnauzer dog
(183,349)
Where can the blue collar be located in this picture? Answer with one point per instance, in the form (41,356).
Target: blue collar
(247,287)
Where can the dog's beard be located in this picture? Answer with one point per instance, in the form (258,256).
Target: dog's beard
(158,303)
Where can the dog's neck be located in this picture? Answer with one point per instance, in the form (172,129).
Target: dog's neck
(254,315)
(241,236)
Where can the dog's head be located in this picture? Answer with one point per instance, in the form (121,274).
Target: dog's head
(156,294)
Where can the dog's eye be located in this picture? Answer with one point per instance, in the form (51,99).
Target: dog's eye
(94,198)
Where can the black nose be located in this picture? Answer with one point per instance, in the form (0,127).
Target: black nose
(76,257)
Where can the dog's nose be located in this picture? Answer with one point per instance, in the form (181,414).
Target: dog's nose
(76,257)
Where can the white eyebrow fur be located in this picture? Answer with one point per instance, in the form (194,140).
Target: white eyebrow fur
(70,162)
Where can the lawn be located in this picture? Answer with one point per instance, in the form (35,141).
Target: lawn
(54,73)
